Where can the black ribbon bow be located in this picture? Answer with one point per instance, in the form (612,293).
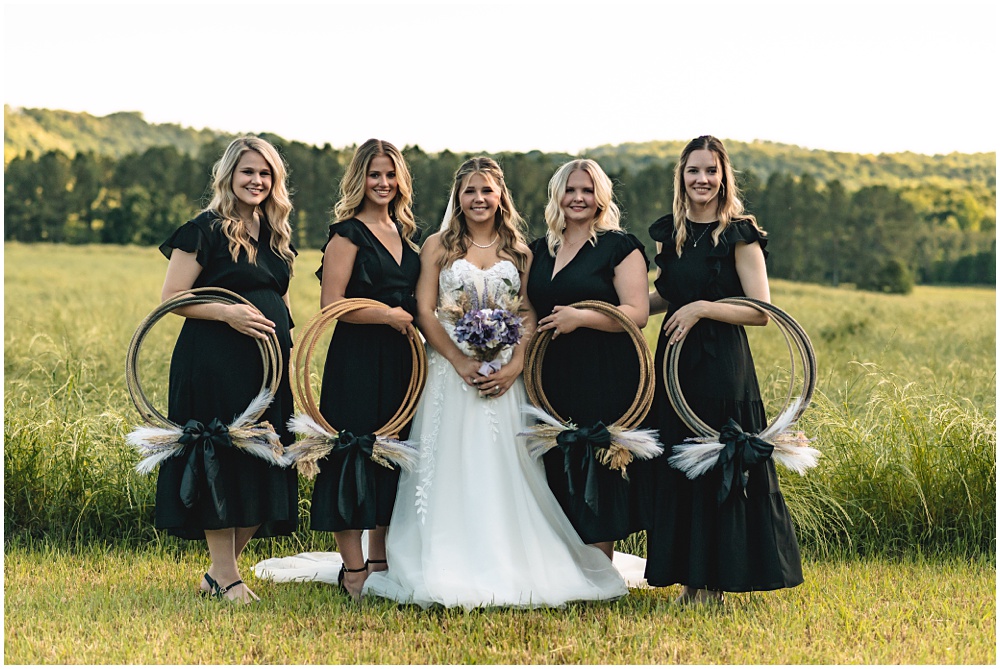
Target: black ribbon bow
(356,481)
(202,464)
(740,451)
(579,460)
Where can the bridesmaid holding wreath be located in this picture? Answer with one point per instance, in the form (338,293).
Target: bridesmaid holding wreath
(371,253)
(709,534)
(591,371)
(240,242)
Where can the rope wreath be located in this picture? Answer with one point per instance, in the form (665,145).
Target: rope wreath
(317,437)
(161,438)
(622,443)
(731,446)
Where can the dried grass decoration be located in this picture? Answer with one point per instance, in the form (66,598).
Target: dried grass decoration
(160,438)
(317,438)
(732,449)
(614,446)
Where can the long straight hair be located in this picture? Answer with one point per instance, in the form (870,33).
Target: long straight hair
(508,223)
(276,207)
(730,204)
(352,187)
(608,215)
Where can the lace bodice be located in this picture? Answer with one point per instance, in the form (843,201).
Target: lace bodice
(462,273)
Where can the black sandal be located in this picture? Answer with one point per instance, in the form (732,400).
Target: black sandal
(345,570)
(213,587)
(222,591)
(368,562)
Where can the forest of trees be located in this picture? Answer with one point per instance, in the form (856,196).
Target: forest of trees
(916,227)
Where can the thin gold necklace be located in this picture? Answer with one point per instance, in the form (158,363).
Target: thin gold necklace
(483,246)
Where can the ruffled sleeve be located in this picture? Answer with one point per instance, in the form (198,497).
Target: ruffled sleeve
(196,236)
(745,231)
(662,229)
(625,243)
(348,229)
(738,231)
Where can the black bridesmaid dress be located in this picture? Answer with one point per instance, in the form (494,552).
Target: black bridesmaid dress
(746,542)
(367,372)
(215,372)
(588,376)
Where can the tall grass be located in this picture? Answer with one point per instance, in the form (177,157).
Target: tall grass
(905,412)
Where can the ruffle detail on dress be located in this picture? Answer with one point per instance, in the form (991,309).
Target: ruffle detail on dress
(741,230)
(192,237)
(662,229)
(625,243)
(348,229)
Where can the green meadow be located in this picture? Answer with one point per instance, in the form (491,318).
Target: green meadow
(897,523)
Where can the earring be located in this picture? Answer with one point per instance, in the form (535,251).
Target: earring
(722,190)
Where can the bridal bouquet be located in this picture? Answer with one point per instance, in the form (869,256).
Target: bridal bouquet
(488,324)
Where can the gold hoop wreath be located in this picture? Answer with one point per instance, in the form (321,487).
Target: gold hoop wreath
(626,442)
(317,437)
(161,438)
(698,455)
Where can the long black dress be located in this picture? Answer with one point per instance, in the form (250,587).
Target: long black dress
(367,372)
(588,376)
(215,372)
(747,542)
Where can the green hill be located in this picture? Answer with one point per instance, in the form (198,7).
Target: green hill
(123,133)
(117,135)
(853,170)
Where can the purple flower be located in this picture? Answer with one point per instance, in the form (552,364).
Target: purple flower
(488,331)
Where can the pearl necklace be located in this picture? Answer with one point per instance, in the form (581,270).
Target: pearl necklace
(483,246)
(695,245)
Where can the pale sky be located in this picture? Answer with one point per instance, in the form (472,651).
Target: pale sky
(868,77)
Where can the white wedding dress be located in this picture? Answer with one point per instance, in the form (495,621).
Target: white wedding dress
(475,523)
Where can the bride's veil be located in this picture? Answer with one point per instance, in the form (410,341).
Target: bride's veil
(449,210)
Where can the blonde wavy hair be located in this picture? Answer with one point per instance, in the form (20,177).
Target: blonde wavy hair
(352,187)
(730,205)
(508,223)
(276,207)
(608,215)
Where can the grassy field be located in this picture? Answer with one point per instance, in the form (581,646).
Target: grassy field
(118,606)
(897,524)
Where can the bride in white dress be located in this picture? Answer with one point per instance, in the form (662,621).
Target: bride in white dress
(475,523)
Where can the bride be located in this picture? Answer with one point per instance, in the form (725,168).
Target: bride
(475,523)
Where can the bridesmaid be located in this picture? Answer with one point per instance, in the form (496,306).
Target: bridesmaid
(591,372)
(240,242)
(709,534)
(371,253)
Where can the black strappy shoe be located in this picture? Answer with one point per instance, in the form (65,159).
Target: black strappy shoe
(345,570)
(213,587)
(242,600)
(368,562)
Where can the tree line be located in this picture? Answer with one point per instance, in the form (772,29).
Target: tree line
(877,237)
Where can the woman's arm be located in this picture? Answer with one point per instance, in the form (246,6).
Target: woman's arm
(657,303)
(427,299)
(338,265)
(632,286)
(752,271)
(182,271)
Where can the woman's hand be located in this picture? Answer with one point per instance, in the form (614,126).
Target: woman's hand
(562,320)
(500,381)
(681,321)
(399,319)
(247,320)
(468,369)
